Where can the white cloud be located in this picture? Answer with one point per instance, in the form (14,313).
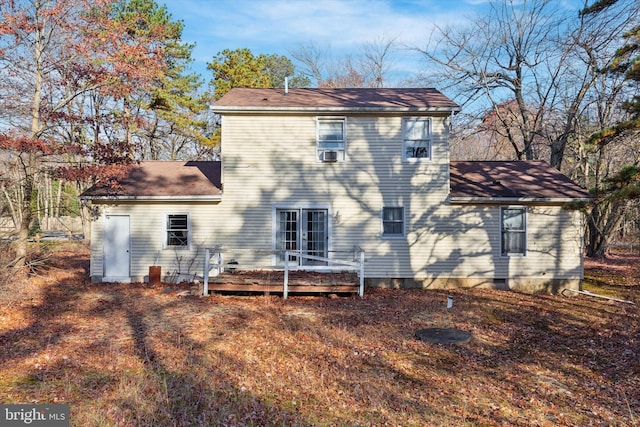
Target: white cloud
(280,26)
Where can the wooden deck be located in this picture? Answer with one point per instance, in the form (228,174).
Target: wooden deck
(271,282)
(278,289)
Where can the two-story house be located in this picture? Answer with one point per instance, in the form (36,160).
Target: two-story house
(324,170)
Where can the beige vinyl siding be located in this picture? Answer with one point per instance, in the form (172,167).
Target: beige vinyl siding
(147,237)
(269,161)
(441,240)
(469,245)
(96,265)
(355,191)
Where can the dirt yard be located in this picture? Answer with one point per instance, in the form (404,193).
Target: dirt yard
(123,355)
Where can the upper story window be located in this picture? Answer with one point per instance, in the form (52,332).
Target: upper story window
(331,139)
(514,231)
(177,230)
(416,138)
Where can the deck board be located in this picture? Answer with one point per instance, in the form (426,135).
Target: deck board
(234,287)
(272,281)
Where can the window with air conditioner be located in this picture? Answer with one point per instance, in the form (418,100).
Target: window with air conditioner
(331,139)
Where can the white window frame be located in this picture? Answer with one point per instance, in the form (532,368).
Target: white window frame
(300,206)
(165,231)
(523,231)
(405,139)
(320,149)
(403,222)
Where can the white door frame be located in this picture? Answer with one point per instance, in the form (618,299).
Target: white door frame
(116,248)
(302,229)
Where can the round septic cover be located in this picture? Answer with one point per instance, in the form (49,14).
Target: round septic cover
(444,335)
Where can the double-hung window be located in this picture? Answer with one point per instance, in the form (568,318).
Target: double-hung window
(416,138)
(177,230)
(331,138)
(514,231)
(392,221)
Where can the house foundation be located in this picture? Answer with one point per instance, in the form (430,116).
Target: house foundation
(525,285)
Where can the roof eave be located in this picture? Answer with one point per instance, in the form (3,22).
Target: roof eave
(235,109)
(501,200)
(201,198)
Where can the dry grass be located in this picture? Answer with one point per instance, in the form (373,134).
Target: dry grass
(138,355)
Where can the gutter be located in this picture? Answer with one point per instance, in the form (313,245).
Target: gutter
(496,200)
(269,109)
(591,294)
(155,198)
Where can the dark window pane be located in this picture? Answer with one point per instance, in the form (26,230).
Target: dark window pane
(392,221)
(513,231)
(177,230)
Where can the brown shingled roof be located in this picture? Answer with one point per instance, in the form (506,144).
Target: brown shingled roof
(165,179)
(469,181)
(405,99)
(511,180)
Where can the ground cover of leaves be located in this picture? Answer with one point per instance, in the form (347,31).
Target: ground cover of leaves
(134,354)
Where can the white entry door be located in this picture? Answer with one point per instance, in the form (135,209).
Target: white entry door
(117,259)
(304,230)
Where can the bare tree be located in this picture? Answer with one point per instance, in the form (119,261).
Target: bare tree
(368,69)
(617,183)
(312,61)
(55,55)
(526,70)
(376,61)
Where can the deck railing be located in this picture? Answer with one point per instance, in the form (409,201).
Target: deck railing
(215,261)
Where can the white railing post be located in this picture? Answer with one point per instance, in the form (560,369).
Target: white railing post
(361,288)
(220,262)
(220,259)
(205,282)
(285,288)
(214,260)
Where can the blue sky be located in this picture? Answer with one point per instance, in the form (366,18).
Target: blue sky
(282,26)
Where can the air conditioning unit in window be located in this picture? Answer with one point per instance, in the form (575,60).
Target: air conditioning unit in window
(330,156)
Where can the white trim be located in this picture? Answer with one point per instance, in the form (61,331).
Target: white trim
(404,223)
(526,231)
(343,151)
(156,198)
(118,279)
(502,200)
(300,206)
(271,110)
(430,139)
(165,217)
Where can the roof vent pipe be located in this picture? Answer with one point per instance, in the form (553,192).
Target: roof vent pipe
(286,85)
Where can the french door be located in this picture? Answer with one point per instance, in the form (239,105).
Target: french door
(305,230)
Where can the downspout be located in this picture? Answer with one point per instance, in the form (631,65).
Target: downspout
(597,296)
